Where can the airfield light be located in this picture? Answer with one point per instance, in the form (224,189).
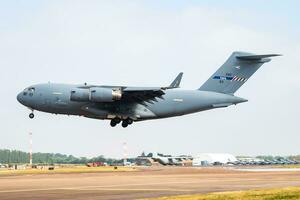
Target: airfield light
(124,153)
(30,148)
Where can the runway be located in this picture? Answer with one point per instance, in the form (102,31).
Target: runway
(143,183)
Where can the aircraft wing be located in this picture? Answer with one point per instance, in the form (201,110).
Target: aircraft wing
(142,94)
(135,94)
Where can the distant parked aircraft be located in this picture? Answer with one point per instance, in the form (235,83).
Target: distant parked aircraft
(127,104)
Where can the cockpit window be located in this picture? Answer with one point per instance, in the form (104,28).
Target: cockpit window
(31,89)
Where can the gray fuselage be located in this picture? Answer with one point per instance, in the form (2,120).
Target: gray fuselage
(127,104)
(55,98)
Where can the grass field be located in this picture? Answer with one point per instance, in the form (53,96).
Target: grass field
(287,166)
(267,194)
(75,169)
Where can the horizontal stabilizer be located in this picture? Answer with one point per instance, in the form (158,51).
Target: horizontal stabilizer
(255,57)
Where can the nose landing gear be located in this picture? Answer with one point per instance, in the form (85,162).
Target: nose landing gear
(31,115)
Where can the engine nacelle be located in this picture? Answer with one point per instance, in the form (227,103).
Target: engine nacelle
(98,94)
(79,94)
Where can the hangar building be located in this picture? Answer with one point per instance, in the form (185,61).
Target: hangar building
(213,158)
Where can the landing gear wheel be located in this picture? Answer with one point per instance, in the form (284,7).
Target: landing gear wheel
(31,115)
(113,123)
(124,124)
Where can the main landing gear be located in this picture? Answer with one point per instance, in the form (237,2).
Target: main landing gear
(115,121)
(125,122)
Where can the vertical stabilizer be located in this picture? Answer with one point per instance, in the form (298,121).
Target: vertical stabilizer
(238,68)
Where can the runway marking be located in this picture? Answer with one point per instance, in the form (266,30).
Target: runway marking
(106,187)
(99,189)
(269,169)
(132,189)
(111,187)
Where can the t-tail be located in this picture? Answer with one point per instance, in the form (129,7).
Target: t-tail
(238,68)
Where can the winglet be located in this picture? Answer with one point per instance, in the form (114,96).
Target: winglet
(177,80)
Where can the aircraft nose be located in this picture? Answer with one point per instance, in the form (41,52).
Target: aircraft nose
(19,98)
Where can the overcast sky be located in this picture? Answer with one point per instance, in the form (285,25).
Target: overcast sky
(147,43)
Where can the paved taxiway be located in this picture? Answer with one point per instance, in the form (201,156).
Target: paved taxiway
(146,182)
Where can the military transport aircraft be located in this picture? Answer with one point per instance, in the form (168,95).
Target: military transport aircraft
(128,104)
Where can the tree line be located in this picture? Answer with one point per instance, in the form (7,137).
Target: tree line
(15,156)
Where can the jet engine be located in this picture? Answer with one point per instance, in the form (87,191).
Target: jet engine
(79,94)
(98,94)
